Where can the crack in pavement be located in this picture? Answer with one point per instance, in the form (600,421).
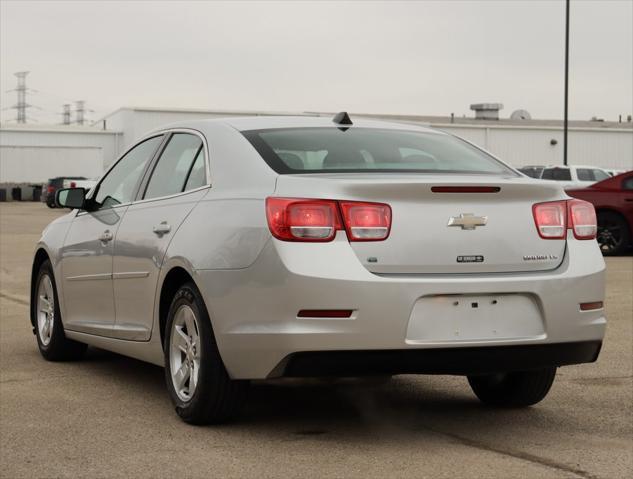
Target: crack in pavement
(15,299)
(524,456)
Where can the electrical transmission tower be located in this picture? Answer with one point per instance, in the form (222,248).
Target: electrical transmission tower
(80,112)
(21,90)
(66,114)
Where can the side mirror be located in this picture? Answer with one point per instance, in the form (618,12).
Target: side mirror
(74,198)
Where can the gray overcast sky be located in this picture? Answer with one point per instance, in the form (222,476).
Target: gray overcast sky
(423,57)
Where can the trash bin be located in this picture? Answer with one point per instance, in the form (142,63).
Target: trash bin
(37,193)
(26,193)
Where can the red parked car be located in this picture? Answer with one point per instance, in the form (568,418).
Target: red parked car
(613,200)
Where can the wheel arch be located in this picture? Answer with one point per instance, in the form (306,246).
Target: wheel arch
(174,279)
(614,211)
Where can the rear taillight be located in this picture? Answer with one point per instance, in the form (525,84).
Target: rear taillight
(294,219)
(366,221)
(51,189)
(582,219)
(302,219)
(553,218)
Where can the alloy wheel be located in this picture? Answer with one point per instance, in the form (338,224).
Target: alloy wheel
(45,309)
(184,353)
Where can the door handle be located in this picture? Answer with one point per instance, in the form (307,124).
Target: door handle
(162,228)
(106,236)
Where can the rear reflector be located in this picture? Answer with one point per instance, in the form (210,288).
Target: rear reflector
(582,218)
(325,313)
(551,219)
(591,306)
(303,219)
(465,189)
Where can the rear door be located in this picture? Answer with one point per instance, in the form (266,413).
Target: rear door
(177,182)
(86,262)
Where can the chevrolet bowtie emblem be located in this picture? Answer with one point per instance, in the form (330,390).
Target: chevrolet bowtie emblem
(467,221)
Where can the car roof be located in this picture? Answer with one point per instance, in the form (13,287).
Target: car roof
(568,167)
(272,122)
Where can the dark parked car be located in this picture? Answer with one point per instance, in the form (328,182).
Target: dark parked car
(54,184)
(613,200)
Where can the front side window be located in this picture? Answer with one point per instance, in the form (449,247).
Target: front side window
(371,150)
(627,183)
(182,157)
(120,184)
(600,175)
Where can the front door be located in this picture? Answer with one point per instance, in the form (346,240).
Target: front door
(172,191)
(86,257)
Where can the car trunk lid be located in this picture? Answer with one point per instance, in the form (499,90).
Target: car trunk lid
(444,224)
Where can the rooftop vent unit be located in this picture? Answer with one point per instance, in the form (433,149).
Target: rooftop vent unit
(486,111)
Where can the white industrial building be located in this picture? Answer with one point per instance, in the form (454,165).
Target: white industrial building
(31,154)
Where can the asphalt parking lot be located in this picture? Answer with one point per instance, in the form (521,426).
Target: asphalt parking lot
(109,416)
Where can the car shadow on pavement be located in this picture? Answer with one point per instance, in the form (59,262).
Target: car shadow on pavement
(297,408)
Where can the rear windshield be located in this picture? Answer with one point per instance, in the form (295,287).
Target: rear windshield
(354,150)
(557,174)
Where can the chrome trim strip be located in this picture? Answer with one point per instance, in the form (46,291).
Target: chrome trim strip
(131,275)
(90,277)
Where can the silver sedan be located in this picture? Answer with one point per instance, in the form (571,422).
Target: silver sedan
(249,248)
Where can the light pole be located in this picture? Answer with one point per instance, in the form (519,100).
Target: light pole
(566,81)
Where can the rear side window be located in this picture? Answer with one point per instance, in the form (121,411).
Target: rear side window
(198,174)
(557,174)
(531,172)
(371,150)
(175,165)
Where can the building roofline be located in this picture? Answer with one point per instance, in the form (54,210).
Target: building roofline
(59,129)
(435,120)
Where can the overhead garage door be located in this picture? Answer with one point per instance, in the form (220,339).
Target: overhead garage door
(36,164)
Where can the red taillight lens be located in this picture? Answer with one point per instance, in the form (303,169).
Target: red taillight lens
(551,219)
(302,219)
(293,219)
(51,189)
(366,221)
(582,218)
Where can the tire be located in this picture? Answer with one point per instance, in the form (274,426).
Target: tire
(614,235)
(50,204)
(214,397)
(47,320)
(514,390)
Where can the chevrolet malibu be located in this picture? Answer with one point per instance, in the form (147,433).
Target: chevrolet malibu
(234,249)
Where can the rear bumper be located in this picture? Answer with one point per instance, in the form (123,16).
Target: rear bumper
(459,361)
(254,315)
